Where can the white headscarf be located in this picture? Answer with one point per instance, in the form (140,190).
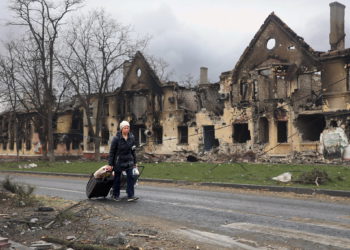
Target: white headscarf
(123,124)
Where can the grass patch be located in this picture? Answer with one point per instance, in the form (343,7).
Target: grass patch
(240,173)
(77,167)
(245,173)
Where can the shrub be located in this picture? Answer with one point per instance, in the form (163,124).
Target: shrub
(315,176)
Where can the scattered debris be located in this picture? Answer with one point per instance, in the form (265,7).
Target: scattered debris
(143,235)
(120,239)
(285,177)
(45,209)
(31,165)
(34,220)
(71,237)
(192,158)
(41,245)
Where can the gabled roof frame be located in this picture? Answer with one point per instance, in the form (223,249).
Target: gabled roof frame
(290,33)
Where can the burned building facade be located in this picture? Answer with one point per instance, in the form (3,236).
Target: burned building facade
(22,133)
(280,98)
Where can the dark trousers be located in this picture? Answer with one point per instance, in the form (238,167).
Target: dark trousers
(129,182)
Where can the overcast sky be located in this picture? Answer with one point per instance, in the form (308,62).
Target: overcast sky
(189,34)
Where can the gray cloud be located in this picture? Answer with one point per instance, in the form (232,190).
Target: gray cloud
(192,33)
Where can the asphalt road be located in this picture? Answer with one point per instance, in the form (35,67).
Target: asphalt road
(226,219)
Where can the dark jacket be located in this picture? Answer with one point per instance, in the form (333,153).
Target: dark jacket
(121,153)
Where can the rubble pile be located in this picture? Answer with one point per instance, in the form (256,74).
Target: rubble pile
(255,155)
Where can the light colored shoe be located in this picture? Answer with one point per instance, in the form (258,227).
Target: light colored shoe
(134,198)
(116,198)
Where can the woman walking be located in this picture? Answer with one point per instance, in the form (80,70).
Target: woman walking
(122,157)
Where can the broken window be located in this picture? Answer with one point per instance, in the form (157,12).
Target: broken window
(265,72)
(282,132)
(67,140)
(90,141)
(158,135)
(120,106)
(28,137)
(12,138)
(55,141)
(281,84)
(264,88)
(255,90)
(106,107)
(19,143)
(28,144)
(281,71)
(209,137)
(138,72)
(158,103)
(241,133)
(76,140)
(104,135)
(271,43)
(139,133)
(244,90)
(263,130)
(139,106)
(4,145)
(4,134)
(91,112)
(54,122)
(304,82)
(77,120)
(182,134)
(310,126)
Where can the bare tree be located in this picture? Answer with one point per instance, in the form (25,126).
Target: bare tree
(9,90)
(96,48)
(161,67)
(42,20)
(23,87)
(188,81)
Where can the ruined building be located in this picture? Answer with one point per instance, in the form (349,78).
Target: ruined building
(277,100)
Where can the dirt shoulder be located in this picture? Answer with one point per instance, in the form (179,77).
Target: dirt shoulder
(85,225)
(91,224)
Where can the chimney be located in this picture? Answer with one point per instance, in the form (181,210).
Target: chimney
(337,34)
(126,67)
(203,77)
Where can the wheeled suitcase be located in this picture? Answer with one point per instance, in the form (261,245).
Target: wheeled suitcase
(99,187)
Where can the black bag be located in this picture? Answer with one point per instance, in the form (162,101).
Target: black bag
(99,187)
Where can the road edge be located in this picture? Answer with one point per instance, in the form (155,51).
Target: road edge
(297,190)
